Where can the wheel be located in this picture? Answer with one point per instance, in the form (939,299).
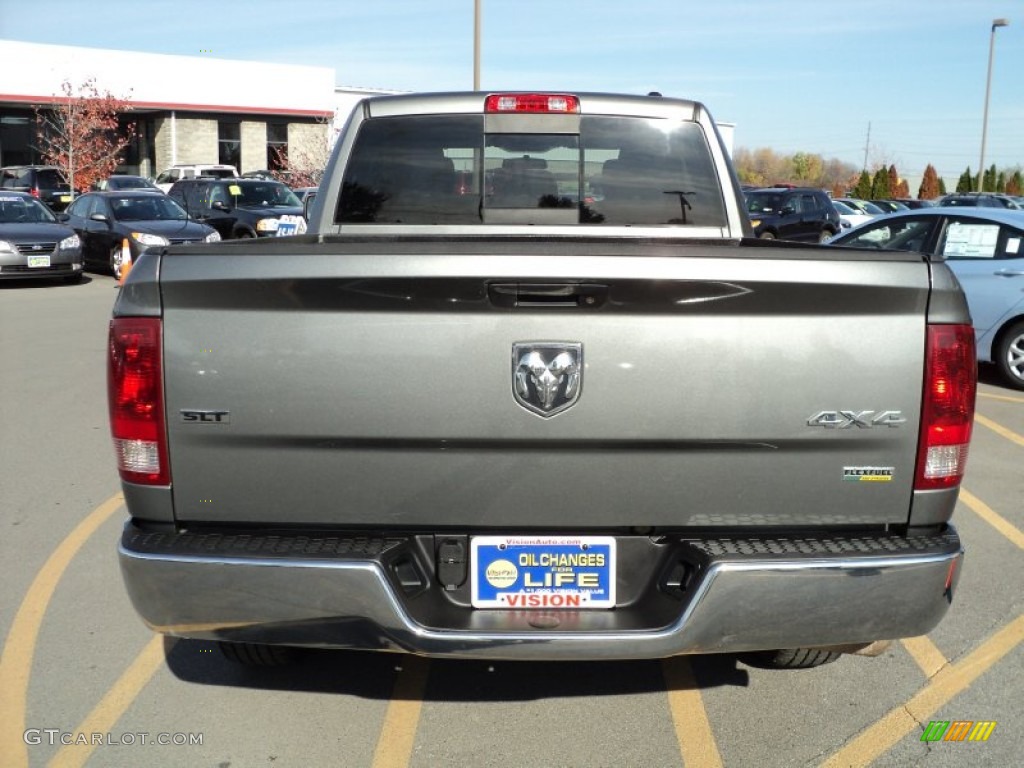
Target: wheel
(824,235)
(245,234)
(1009,356)
(258,655)
(766,236)
(790,658)
(115,262)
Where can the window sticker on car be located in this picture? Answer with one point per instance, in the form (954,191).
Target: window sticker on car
(235,190)
(1013,245)
(971,241)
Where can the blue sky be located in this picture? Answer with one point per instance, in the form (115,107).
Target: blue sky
(793,76)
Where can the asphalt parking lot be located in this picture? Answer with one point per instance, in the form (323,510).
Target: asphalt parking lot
(83,682)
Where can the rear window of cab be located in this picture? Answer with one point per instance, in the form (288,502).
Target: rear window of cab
(444,169)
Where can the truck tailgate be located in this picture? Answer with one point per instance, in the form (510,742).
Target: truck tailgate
(357,384)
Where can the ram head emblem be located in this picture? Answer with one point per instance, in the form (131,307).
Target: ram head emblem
(547,377)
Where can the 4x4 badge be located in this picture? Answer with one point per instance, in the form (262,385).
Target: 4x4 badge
(547,376)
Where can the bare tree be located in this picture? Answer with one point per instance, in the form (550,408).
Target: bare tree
(80,133)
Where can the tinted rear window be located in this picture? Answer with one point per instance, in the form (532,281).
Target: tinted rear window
(49,178)
(446,170)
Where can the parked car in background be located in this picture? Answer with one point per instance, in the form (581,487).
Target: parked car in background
(985,249)
(911,202)
(33,244)
(124,183)
(982,199)
(178,172)
(889,206)
(263,173)
(792,213)
(45,182)
(864,206)
(849,216)
(106,220)
(237,208)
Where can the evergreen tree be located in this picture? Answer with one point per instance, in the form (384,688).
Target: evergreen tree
(942,186)
(929,188)
(880,185)
(988,179)
(863,188)
(965,182)
(1015,186)
(894,182)
(1001,182)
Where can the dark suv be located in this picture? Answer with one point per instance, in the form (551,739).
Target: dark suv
(44,182)
(237,207)
(792,213)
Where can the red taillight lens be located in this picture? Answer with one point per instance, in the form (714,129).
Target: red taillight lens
(135,392)
(34,191)
(554,103)
(947,415)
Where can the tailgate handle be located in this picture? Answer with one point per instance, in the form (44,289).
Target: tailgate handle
(554,295)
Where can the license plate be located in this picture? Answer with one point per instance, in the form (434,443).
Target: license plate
(39,261)
(65,198)
(521,572)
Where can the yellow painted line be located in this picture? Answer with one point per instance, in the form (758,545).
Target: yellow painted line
(1004,398)
(990,516)
(398,734)
(120,696)
(902,720)
(693,729)
(925,654)
(999,429)
(20,646)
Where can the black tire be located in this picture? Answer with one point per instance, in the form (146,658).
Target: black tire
(825,235)
(115,262)
(258,655)
(790,658)
(1009,355)
(767,236)
(245,234)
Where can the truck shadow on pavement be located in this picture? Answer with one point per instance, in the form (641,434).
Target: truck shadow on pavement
(372,675)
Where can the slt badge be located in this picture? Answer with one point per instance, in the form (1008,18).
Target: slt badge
(547,377)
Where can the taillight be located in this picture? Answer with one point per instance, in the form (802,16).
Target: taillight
(135,393)
(947,414)
(34,191)
(553,103)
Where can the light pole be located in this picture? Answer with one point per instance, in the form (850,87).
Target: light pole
(476,45)
(996,23)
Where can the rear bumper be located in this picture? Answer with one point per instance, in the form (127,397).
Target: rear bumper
(738,594)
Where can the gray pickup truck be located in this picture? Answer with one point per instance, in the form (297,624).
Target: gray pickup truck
(529,389)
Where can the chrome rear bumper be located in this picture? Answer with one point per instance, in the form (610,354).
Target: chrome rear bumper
(741,594)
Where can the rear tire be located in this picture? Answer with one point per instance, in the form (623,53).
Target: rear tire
(258,655)
(825,235)
(115,262)
(767,236)
(790,658)
(1009,356)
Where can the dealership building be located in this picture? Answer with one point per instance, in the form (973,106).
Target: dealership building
(185,109)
